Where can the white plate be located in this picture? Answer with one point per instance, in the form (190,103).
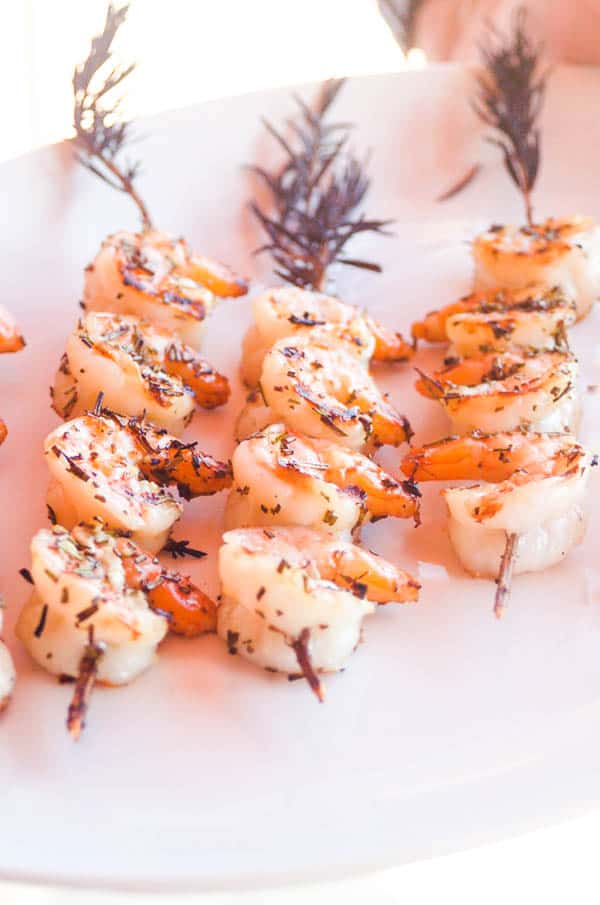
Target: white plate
(448,728)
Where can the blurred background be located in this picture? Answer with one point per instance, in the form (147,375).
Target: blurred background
(192,50)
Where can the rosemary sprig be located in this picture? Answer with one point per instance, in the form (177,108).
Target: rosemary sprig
(315,196)
(100,135)
(400,17)
(509,99)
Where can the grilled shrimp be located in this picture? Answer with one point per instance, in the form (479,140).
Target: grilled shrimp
(80,582)
(100,607)
(290,312)
(7,668)
(154,277)
(320,390)
(559,252)
(294,600)
(11,339)
(107,466)
(138,368)
(533,318)
(507,391)
(281,478)
(529,485)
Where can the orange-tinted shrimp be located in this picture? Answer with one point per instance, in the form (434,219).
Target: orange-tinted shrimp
(210,387)
(11,339)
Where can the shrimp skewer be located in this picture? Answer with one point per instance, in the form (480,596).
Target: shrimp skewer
(561,252)
(282,478)
(498,320)
(155,278)
(100,607)
(289,312)
(138,368)
(531,487)
(320,390)
(128,473)
(294,600)
(507,391)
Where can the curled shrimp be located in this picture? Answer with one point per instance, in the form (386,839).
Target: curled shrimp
(128,473)
(318,389)
(11,339)
(531,487)
(507,391)
(100,607)
(155,277)
(535,318)
(281,478)
(558,252)
(3,431)
(294,600)
(291,312)
(138,368)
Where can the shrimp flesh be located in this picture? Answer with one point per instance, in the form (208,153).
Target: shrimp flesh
(128,473)
(7,668)
(138,369)
(281,478)
(100,607)
(320,390)
(294,599)
(535,318)
(155,277)
(558,252)
(289,312)
(531,485)
(507,391)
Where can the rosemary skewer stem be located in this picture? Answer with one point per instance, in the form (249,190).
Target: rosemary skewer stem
(505,574)
(88,670)
(509,99)
(100,133)
(300,647)
(125,181)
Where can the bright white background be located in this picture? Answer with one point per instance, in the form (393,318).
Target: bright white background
(188,51)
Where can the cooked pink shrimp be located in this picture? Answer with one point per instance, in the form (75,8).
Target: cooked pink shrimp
(294,600)
(128,473)
(100,607)
(291,312)
(282,478)
(155,277)
(507,391)
(558,252)
(320,390)
(529,499)
(138,369)
(533,318)
(11,339)
(7,667)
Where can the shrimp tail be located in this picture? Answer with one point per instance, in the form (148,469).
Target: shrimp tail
(86,679)
(209,386)
(428,387)
(217,278)
(390,346)
(189,610)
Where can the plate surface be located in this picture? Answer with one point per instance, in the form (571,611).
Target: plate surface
(448,728)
